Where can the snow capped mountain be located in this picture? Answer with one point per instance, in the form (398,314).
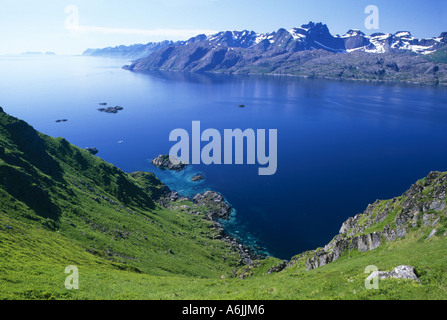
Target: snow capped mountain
(306,51)
(317,36)
(307,37)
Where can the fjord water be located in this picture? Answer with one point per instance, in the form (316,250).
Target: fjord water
(341,145)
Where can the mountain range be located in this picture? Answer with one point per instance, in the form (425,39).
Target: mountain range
(308,51)
(309,36)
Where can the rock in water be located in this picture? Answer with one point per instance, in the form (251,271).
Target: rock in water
(197,177)
(92,150)
(111,109)
(163,162)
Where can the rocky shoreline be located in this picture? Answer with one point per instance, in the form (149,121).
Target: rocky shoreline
(212,202)
(215,207)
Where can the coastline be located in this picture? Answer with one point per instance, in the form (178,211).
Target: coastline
(173,201)
(290,75)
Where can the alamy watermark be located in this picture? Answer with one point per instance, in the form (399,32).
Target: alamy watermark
(372,281)
(211,153)
(72,281)
(72,20)
(372,20)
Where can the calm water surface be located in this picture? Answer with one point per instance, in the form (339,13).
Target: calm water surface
(341,145)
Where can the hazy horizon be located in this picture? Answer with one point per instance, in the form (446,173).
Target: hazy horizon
(70,27)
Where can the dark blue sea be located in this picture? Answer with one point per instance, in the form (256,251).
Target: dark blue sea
(341,145)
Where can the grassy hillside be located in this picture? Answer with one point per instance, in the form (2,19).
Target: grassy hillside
(60,206)
(59,203)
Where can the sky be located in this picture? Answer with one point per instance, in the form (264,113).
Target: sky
(71,26)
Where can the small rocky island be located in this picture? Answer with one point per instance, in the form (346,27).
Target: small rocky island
(163,162)
(111,109)
(198,177)
(61,120)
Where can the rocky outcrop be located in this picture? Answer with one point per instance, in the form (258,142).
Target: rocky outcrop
(215,203)
(216,207)
(423,203)
(164,162)
(278,268)
(92,150)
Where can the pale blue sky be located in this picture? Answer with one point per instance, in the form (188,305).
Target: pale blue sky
(41,25)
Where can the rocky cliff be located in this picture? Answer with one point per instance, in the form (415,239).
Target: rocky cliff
(420,211)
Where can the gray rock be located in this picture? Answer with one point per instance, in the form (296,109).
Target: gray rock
(432,233)
(427,217)
(437,205)
(390,234)
(400,272)
(279,267)
(435,222)
(197,177)
(164,162)
(173,196)
(215,204)
(401,232)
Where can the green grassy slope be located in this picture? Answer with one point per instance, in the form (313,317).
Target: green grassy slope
(60,206)
(55,195)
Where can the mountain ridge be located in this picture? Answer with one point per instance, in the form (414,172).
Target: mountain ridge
(309,36)
(309,51)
